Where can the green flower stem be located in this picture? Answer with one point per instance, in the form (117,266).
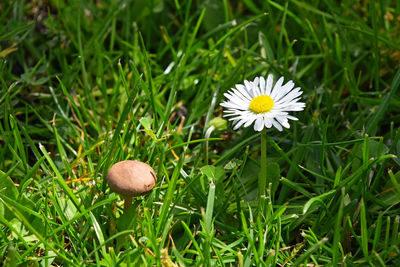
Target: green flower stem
(206,136)
(262,179)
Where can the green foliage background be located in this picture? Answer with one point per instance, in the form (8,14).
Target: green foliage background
(85,84)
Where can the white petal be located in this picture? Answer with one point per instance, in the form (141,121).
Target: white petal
(277,112)
(236,100)
(283,120)
(277,87)
(243,91)
(270,81)
(288,86)
(256,90)
(232,106)
(234,115)
(237,93)
(247,84)
(235,118)
(291,106)
(284,90)
(238,124)
(291,95)
(255,82)
(262,85)
(267,122)
(293,101)
(292,118)
(277,125)
(258,125)
(250,120)
(295,108)
(240,86)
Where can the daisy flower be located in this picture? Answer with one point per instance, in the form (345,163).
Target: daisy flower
(262,103)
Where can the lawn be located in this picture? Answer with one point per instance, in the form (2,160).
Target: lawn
(86,84)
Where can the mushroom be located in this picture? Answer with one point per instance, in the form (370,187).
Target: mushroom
(131,178)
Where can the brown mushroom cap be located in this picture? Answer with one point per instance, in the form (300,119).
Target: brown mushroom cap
(131,178)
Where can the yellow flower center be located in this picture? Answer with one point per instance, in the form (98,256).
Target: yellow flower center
(261,104)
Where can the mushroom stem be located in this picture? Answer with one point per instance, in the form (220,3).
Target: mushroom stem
(128,202)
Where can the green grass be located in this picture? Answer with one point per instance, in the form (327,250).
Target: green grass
(85,84)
